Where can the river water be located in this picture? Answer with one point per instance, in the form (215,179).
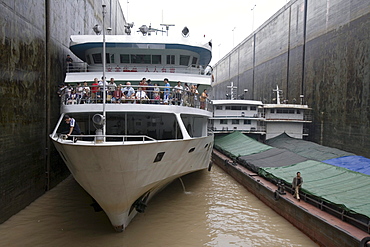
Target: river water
(214,210)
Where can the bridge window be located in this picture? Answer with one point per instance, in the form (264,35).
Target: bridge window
(286,111)
(236,107)
(170,59)
(88,60)
(247,121)
(156,59)
(124,58)
(97,58)
(223,121)
(109,58)
(141,58)
(218,107)
(253,108)
(194,61)
(184,60)
(235,121)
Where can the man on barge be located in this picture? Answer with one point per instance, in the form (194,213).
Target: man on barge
(297,183)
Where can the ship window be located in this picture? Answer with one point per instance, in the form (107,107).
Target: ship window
(247,121)
(235,121)
(124,58)
(170,59)
(218,107)
(298,111)
(223,121)
(227,107)
(253,108)
(107,57)
(156,59)
(194,61)
(97,58)
(88,59)
(139,58)
(245,108)
(110,58)
(236,107)
(159,157)
(287,111)
(184,60)
(272,110)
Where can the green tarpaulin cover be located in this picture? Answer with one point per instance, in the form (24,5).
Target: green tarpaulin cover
(347,189)
(306,149)
(237,144)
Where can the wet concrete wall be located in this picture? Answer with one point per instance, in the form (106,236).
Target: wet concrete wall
(34,44)
(319,49)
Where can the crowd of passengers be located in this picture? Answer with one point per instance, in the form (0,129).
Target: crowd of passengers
(145,92)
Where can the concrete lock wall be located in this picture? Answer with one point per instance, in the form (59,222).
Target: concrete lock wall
(34,44)
(320,49)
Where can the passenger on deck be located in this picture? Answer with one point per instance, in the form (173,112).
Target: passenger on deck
(166,91)
(141,95)
(62,91)
(67,92)
(72,98)
(86,93)
(95,89)
(79,92)
(128,91)
(69,62)
(143,84)
(178,89)
(193,96)
(196,96)
(101,87)
(296,184)
(156,93)
(111,86)
(203,99)
(117,95)
(149,90)
(186,95)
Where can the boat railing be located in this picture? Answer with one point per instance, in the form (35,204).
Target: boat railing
(82,67)
(227,129)
(96,139)
(134,94)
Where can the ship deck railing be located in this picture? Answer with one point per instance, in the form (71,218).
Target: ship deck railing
(93,94)
(82,67)
(260,129)
(98,139)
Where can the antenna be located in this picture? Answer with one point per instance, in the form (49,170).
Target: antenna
(278,91)
(167,27)
(232,87)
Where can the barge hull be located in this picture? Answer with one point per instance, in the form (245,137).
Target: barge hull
(321,227)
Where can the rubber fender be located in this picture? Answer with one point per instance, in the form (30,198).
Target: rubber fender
(276,195)
(364,241)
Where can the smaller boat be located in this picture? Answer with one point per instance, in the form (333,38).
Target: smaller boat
(253,117)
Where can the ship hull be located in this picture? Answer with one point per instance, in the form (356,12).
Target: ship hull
(117,176)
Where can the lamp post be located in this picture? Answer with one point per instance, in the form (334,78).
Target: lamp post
(253,17)
(103,79)
(233,36)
